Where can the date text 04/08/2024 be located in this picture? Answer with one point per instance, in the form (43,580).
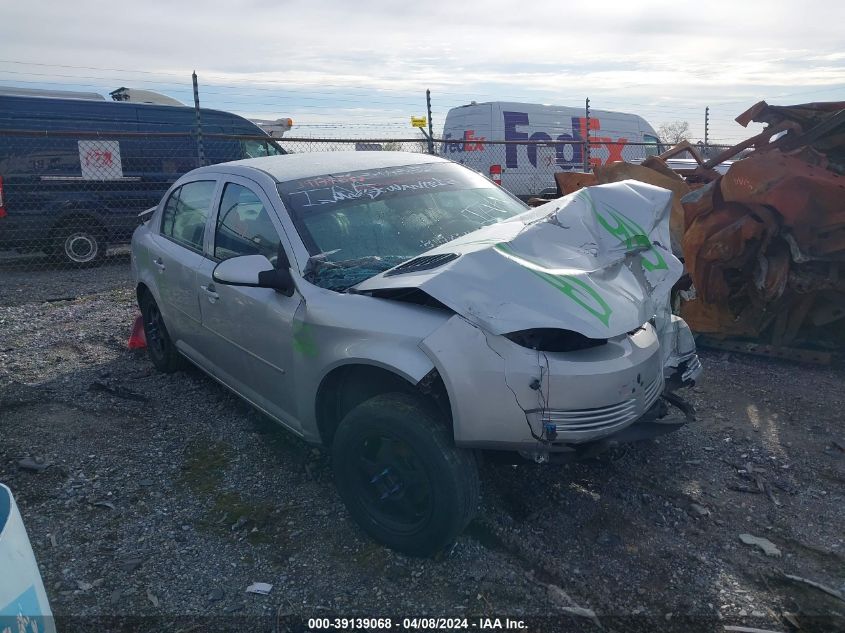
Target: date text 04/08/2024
(431,624)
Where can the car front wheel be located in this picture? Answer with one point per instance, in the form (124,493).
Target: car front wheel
(401,476)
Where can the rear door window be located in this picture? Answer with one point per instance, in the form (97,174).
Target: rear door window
(244,226)
(186,213)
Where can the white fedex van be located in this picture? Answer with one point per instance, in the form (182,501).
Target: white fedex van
(527,169)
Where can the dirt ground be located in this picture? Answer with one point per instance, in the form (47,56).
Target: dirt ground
(166,496)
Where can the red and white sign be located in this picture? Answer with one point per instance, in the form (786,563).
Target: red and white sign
(100,160)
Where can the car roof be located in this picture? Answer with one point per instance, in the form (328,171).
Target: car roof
(295,166)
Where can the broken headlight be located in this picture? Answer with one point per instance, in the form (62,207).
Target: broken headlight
(554,340)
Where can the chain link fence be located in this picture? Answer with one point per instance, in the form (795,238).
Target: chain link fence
(525,168)
(73,199)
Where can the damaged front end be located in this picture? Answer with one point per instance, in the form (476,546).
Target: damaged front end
(562,340)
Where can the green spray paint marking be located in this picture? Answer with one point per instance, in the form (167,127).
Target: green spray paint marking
(576,289)
(628,232)
(303,342)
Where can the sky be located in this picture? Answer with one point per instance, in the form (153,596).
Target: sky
(362,68)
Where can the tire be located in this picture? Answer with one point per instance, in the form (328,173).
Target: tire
(80,244)
(160,348)
(400,475)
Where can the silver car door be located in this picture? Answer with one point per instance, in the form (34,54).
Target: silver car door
(177,255)
(249,330)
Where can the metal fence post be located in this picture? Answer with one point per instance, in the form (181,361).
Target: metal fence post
(430,127)
(587,137)
(200,148)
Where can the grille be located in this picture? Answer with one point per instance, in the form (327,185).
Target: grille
(585,424)
(426,262)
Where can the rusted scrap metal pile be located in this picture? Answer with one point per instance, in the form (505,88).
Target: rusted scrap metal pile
(763,242)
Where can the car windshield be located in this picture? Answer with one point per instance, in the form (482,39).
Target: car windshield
(358,224)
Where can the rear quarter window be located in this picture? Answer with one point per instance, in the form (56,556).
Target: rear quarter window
(186,213)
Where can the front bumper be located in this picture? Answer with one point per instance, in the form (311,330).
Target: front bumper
(506,397)
(577,426)
(667,415)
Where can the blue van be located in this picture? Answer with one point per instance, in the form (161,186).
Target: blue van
(75,173)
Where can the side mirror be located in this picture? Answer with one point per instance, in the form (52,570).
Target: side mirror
(253,271)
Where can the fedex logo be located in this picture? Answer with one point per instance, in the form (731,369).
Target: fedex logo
(470,143)
(514,120)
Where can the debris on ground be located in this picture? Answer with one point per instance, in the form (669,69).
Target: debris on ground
(567,605)
(33,464)
(117,391)
(699,509)
(261,588)
(817,585)
(769,548)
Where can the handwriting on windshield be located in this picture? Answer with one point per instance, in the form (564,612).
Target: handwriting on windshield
(334,192)
(362,176)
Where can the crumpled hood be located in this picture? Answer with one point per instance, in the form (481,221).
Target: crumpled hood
(598,261)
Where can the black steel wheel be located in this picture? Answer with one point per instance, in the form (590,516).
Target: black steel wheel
(401,476)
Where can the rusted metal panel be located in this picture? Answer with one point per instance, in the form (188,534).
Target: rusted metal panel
(763,242)
(570,181)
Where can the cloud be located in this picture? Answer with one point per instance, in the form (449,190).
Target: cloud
(666,60)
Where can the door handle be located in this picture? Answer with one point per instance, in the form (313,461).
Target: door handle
(159,263)
(209,291)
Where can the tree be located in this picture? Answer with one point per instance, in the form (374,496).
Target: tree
(673,132)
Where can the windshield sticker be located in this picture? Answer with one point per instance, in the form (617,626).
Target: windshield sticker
(569,284)
(629,232)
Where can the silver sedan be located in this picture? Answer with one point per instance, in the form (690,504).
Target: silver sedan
(410,315)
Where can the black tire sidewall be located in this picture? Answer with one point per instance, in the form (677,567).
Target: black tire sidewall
(403,417)
(169,359)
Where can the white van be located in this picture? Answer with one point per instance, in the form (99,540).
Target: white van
(527,169)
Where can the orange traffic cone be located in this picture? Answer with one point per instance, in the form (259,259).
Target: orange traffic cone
(137,340)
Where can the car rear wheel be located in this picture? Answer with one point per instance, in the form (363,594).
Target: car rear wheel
(160,347)
(401,476)
(79,246)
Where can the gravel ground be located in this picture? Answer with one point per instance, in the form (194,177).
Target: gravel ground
(34,278)
(167,496)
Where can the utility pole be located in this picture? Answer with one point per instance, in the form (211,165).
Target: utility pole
(200,148)
(587,137)
(706,127)
(430,126)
